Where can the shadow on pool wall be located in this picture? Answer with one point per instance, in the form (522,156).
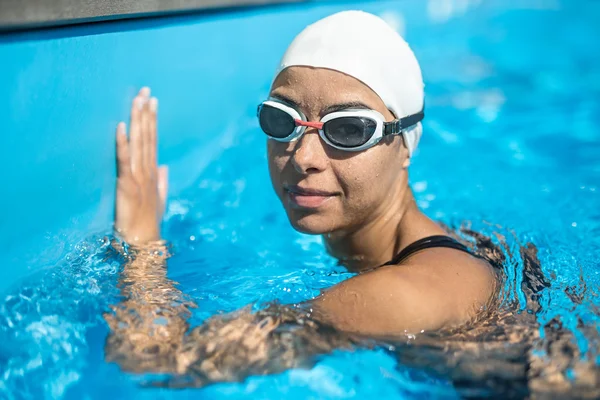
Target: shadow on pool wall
(64,90)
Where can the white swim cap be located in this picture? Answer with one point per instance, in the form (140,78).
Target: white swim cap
(365,47)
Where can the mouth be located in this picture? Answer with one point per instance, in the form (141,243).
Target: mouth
(308,197)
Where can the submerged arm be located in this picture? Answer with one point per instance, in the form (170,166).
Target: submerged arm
(148,326)
(149,331)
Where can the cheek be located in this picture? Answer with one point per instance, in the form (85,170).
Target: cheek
(276,160)
(366,179)
(357,182)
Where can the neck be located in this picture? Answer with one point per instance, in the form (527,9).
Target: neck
(394,225)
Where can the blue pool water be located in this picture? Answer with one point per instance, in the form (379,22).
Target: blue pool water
(511,144)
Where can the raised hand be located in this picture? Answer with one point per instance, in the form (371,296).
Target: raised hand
(141,185)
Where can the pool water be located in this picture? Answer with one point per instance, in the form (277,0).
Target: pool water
(511,146)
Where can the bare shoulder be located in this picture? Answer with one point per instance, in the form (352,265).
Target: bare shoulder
(463,283)
(433,289)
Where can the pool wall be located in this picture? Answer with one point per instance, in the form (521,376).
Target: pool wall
(16,14)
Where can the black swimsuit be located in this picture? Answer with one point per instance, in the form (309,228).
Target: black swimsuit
(427,243)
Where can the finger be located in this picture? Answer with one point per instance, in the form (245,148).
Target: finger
(123,156)
(151,139)
(145,92)
(154,131)
(163,185)
(137,150)
(135,141)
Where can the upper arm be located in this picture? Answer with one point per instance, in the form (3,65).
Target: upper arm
(408,298)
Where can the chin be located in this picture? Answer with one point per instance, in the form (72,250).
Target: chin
(310,223)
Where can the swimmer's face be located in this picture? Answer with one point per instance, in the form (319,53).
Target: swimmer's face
(323,189)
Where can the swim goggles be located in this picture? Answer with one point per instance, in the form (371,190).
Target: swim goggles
(349,130)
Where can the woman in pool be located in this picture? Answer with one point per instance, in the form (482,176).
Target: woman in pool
(342,122)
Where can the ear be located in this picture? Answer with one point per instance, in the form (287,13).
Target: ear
(406,162)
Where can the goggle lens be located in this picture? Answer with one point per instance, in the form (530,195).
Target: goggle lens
(349,132)
(275,122)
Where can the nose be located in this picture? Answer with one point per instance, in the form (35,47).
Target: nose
(309,154)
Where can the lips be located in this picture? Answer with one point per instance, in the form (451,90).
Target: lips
(308,197)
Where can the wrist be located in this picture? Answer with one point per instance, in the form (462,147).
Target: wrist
(133,245)
(137,237)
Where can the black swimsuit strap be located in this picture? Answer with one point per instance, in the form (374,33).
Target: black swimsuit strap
(427,243)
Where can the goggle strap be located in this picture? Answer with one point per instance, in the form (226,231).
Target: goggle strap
(396,126)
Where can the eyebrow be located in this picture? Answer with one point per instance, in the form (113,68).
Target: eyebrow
(286,100)
(329,109)
(345,106)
